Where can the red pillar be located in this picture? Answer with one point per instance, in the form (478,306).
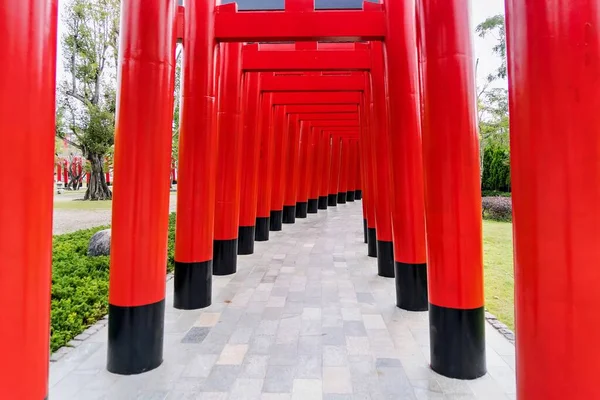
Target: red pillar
(292,169)
(452,192)
(265,168)
(315,164)
(367,168)
(66,172)
(58,172)
(140,217)
(227,204)
(27,87)
(251,137)
(303,170)
(343,180)
(87,178)
(334,174)
(408,204)
(279,178)
(358,191)
(553,64)
(381,165)
(351,185)
(197,162)
(324,169)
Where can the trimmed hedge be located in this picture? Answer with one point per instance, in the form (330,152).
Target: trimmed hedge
(497,208)
(80,284)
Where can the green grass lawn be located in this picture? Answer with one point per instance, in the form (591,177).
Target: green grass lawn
(498,267)
(82,205)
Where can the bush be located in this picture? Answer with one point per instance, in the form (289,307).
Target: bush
(496,169)
(497,208)
(80,284)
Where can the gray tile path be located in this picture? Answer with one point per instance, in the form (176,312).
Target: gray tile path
(306,317)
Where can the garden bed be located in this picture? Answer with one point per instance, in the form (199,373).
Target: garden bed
(80,284)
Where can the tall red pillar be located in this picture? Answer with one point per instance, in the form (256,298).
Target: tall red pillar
(553,65)
(315,164)
(227,202)
(251,137)
(358,191)
(351,185)
(58,172)
(381,164)
(324,170)
(66,172)
(265,168)
(343,180)
(140,218)
(406,161)
(197,162)
(27,87)
(303,170)
(279,178)
(452,192)
(292,169)
(366,139)
(334,174)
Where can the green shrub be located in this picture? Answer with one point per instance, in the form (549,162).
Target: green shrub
(80,284)
(496,169)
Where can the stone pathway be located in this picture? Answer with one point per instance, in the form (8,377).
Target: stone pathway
(306,317)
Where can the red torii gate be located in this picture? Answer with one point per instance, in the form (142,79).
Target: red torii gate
(557,253)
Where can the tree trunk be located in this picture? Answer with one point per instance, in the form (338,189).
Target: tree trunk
(97,188)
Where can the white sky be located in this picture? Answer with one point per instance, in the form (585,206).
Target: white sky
(480,10)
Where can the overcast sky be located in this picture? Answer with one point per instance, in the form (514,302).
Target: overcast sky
(480,10)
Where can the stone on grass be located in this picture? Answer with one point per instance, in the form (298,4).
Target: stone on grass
(100,244)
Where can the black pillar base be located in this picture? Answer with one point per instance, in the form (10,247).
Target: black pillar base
(358,195)
(372,242)
(457,342)
(385,259)
(301,210)
(411,286)
(341,198)
(313,206)
(225,257)
(289,214)
(193,285)
(275,221)
(322,202)
(350,196)
(245,240)
(261,233)
(135,338)
(332,200)
(366,230)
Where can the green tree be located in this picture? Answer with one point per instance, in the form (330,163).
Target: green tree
(87,98)
(494,26)
(493,114)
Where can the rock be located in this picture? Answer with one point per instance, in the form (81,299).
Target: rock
(100,244)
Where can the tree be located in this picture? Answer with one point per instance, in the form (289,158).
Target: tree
(88,99)
(494,26)
(176,112)
(493,114)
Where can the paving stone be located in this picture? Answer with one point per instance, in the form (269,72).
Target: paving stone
(337,380)
(279,379)
(307,389)
(354,328)
(195,335)
(221,378)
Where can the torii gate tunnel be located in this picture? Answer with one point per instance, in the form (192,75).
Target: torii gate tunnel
(376,103)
